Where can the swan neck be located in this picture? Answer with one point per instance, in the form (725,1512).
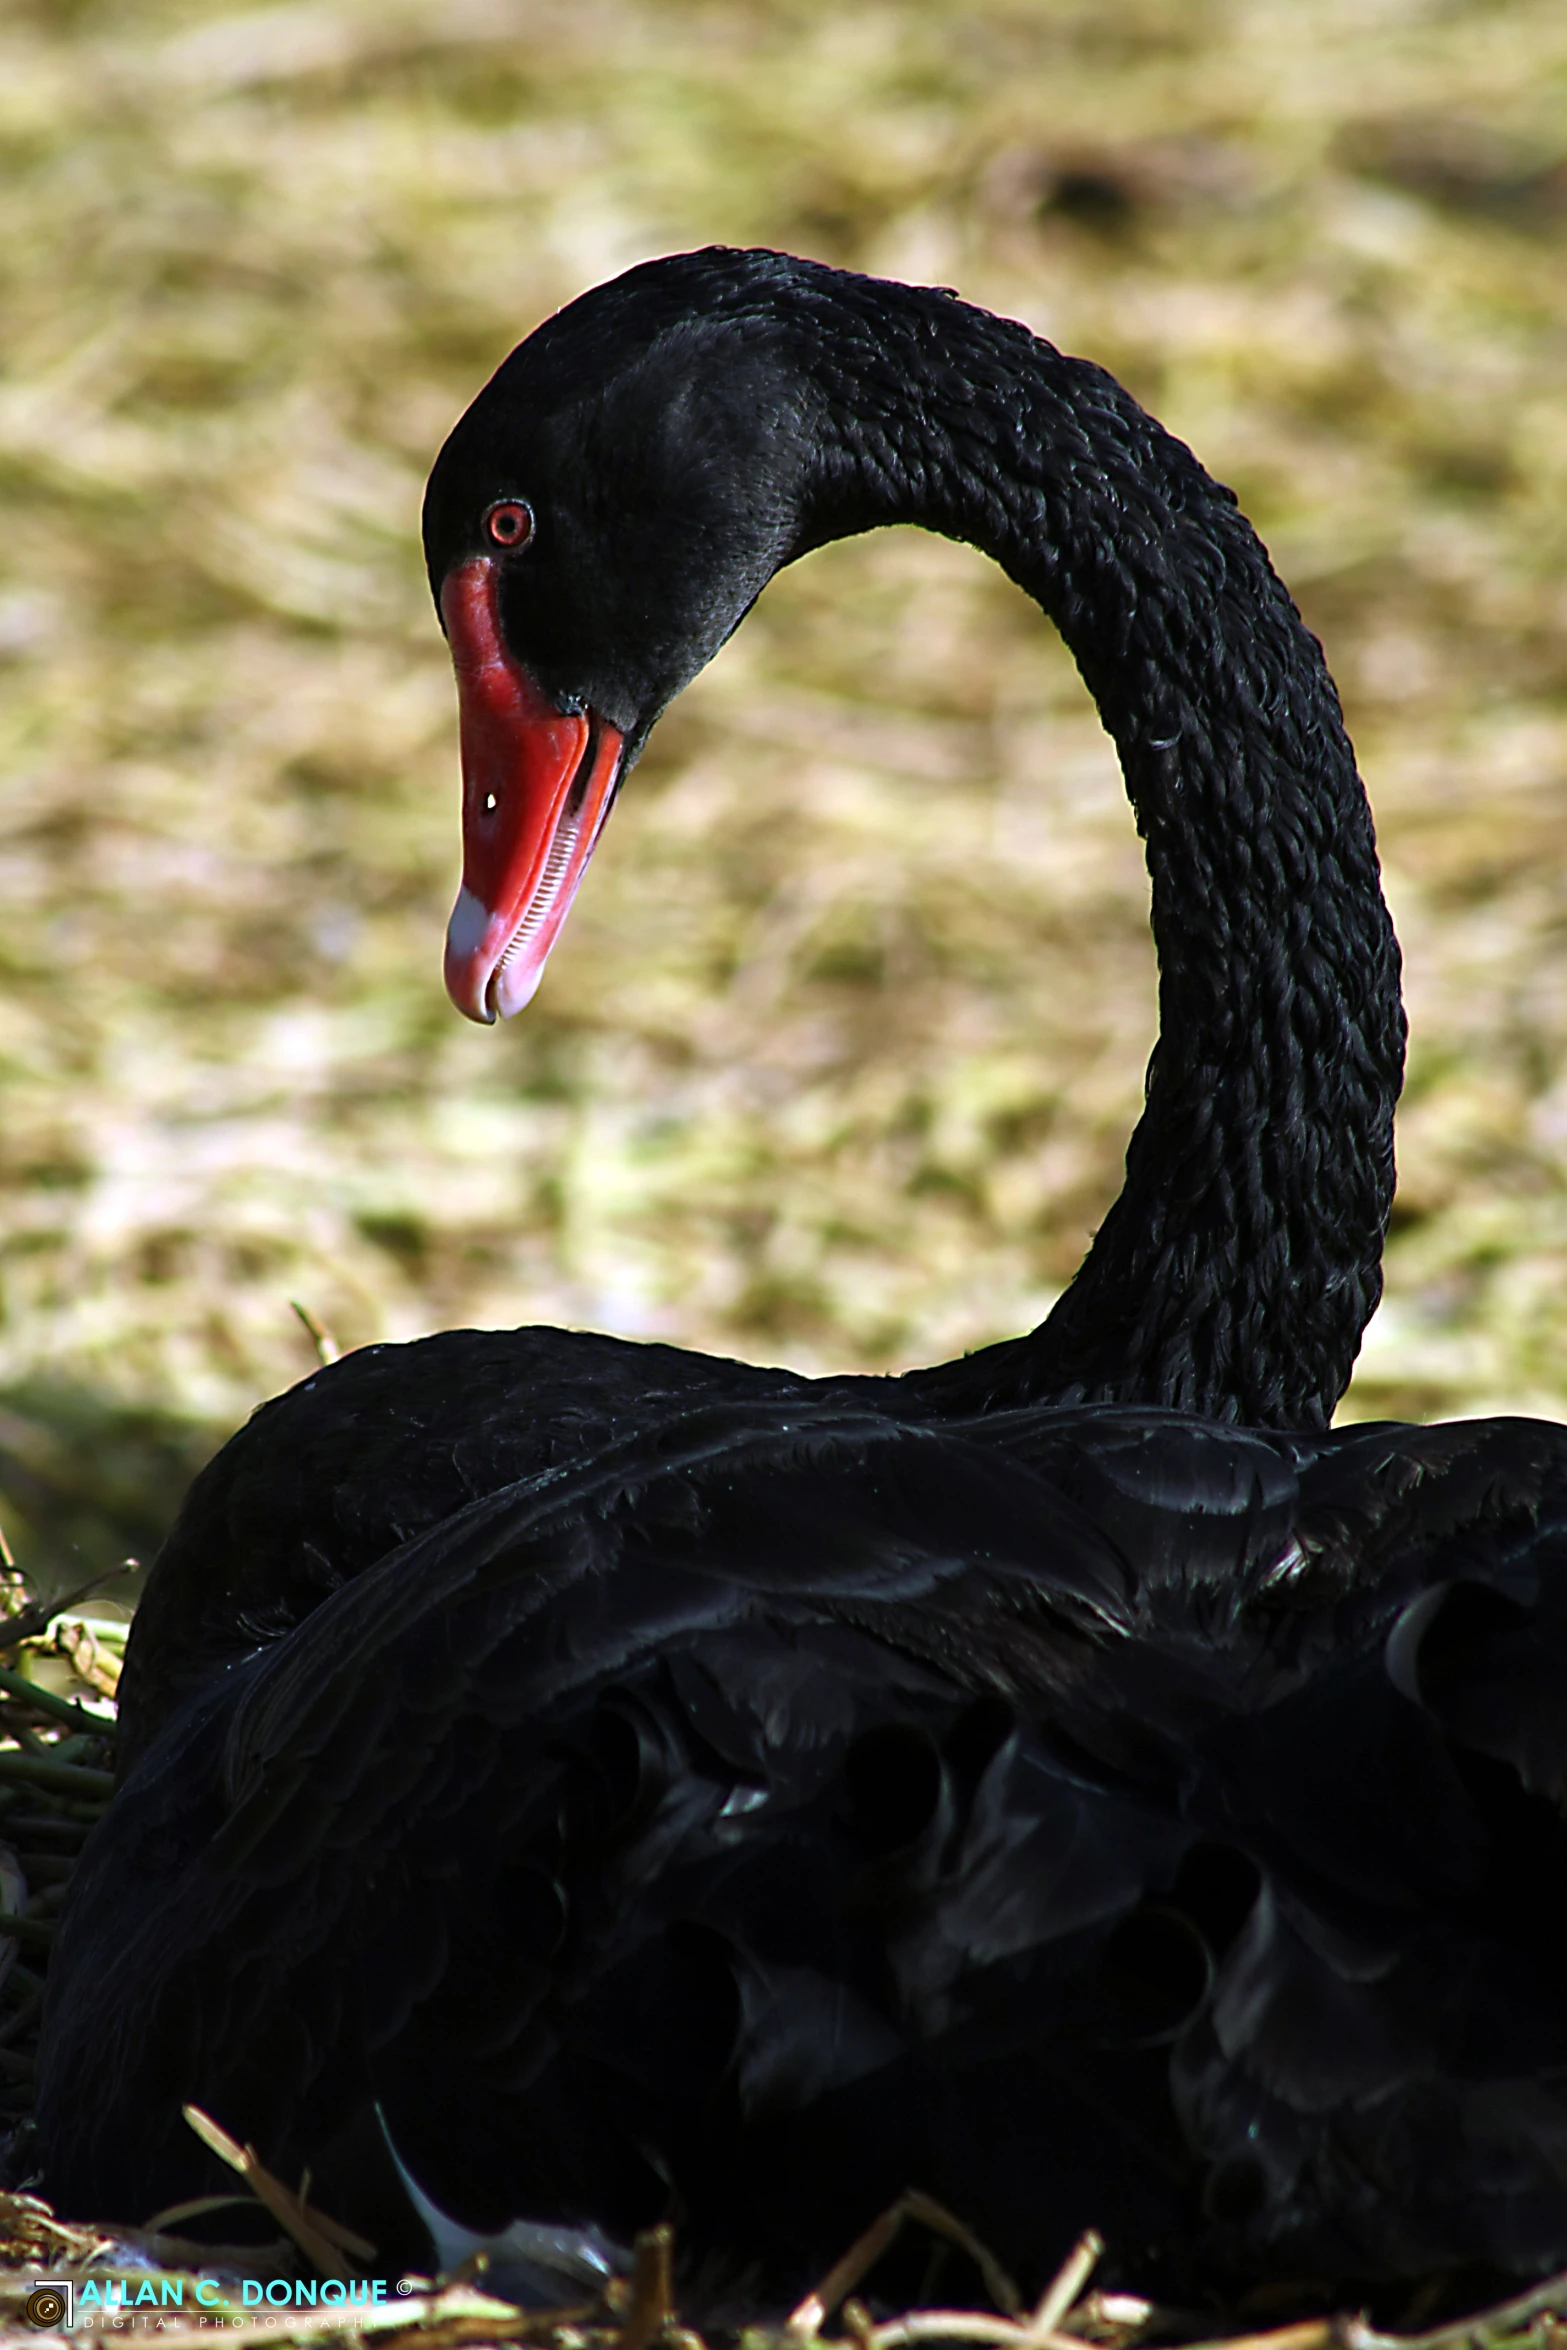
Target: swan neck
(1237,1269)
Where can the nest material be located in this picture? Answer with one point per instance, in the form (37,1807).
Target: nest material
(638,2312)
(58,1676)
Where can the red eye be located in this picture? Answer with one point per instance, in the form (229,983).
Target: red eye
(509,524)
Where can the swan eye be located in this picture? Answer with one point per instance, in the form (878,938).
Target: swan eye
(509,524)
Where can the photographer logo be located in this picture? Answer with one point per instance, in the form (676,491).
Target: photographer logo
(49,2304)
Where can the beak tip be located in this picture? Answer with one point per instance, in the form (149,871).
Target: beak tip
(513,987)
(479,1014)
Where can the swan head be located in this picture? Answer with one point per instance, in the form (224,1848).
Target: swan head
(596,525)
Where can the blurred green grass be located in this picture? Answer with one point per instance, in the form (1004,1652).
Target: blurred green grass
(838,1060)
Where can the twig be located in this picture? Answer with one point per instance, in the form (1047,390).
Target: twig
(24,1929)
(198,2207)
(30,1829)
(650,2307)
(1313,2333)
(1506,2317)
(56,1709)
(38,1770)
(1067,2284)
(321,1338)
(916,2205)
(29,1622)
(965,2325)
(320,2239)
(807,2317)
(1122,2313)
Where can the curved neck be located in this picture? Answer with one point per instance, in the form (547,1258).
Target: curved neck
(1236,1271)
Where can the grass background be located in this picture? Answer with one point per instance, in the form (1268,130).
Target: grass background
(839,1056)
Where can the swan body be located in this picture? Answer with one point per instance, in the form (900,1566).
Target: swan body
(569,1782)
(1089,1816)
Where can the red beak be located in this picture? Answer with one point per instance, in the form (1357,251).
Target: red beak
(537,784)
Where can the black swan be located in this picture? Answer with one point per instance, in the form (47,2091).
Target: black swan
(597,524)
(770,1793)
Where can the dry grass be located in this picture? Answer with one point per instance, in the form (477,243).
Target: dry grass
(838,1060)
(145,2282)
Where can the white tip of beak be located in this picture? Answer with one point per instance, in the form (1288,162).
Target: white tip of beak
(513,986)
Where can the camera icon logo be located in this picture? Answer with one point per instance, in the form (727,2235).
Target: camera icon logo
(51,2304)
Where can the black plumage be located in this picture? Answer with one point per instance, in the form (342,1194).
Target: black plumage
(679,435)
(1092,1816)
(655,1784)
